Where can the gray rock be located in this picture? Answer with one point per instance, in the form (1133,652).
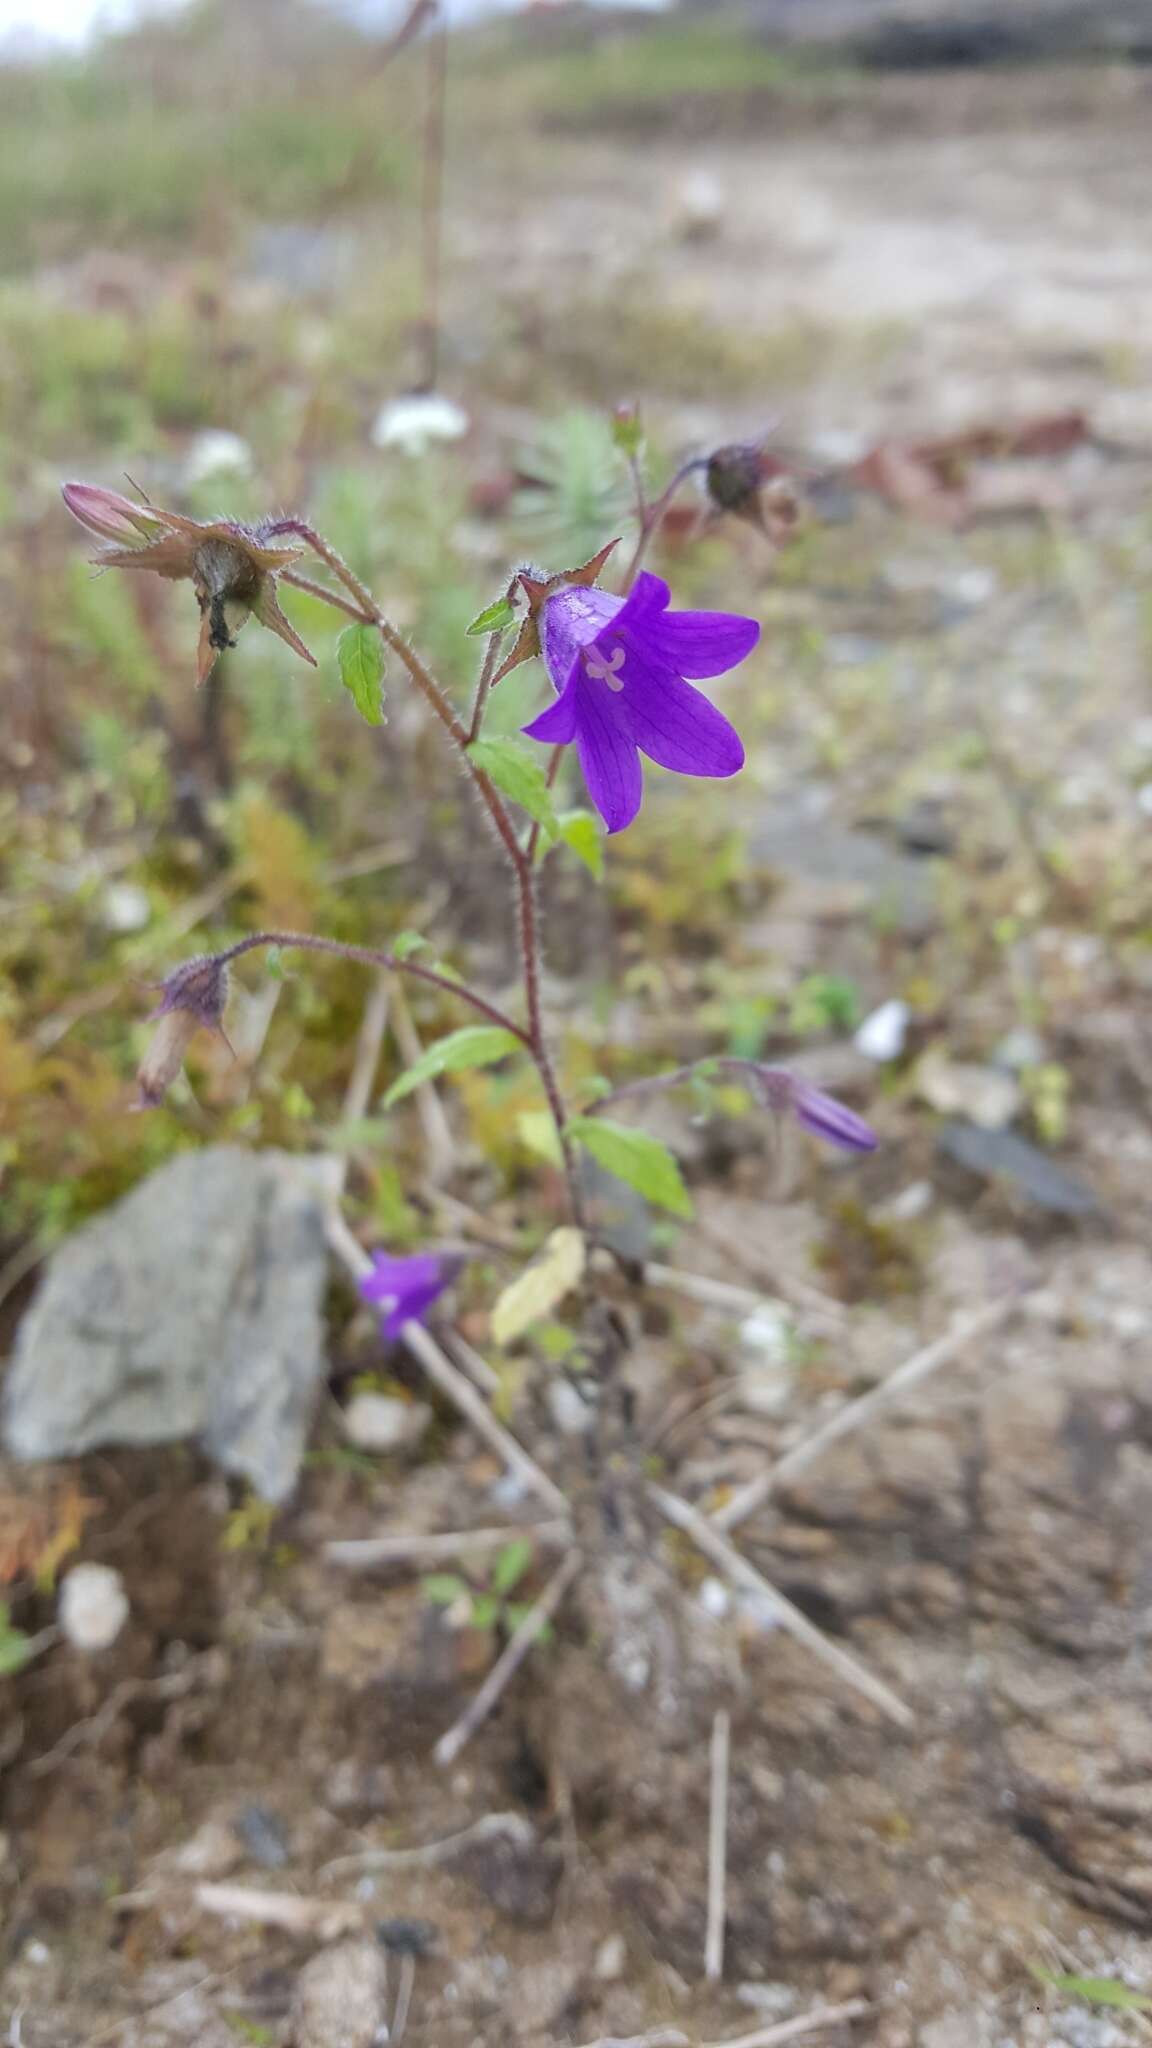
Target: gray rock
(190,1309)
(340,1998)
(1001,1155)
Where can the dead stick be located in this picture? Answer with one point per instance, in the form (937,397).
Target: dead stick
(856,1413)
(805,2023)
(361,1553)
(718,1848)
(508,1663)
(708,1539)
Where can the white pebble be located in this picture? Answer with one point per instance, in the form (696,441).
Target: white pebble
(92,1608)
(412,423)
(881,1036)
(215,453)
(125,907)
(380,1423)
(611,1959)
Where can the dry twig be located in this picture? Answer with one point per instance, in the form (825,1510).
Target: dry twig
(485,1829)
(805,2023)
(856,1413)
(707,1538)
(508,1663)
(362,1553)
(718,1848)
(437,1130)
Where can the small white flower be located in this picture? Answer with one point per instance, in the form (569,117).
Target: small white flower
(412,423)
(215,453)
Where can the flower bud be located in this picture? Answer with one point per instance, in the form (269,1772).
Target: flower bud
(745,481)
(193,999)
(822,1115)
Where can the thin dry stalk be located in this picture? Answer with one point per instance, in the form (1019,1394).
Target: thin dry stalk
(430,1109)
(508,1663)
(718,1848)
(486,1829)
(856,1413)
(324,1919)
(805,2023)
(451,1382)
(403,2004)
(362,1553)
(737,1568)
(476,1367)
(700,1287)
(358,1094)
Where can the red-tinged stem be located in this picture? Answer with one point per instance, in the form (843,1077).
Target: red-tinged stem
(652,519)
(520,857)
(368,956)
(484,683)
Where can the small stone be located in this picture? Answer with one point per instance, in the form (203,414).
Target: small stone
(340,1999)
(1020,1049)
(360,1789)
(380,1423)
(572,1414)
(715,1598)
(987,1096)
(700,206)
(611,1959)
(766,1378)
(213,1851)
(263,1836)
(125,907)
(93,1607)
(214,453)
(881,1036)
(408,1937)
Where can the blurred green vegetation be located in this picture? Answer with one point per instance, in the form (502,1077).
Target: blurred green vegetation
(213,228)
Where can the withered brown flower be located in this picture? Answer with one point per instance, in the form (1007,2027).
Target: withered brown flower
(232,568)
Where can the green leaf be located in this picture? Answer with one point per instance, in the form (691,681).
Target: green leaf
(360,653)
(538,1134)
(635,1157)
(496,618)
(520,775)
(1095,1990)
(474,1045)
(511,1565)
(406,943)
(15,1651)
(579,830)
(443,1589)
(485,1609)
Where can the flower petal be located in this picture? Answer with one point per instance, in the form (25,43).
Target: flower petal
(608,755)
(556,724)
(704,643)
(674,724)
(572,617)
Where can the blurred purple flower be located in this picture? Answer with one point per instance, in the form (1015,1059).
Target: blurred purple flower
(619,665)
(819,1113)
(407,1287)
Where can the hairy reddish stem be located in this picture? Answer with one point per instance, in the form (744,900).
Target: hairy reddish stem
(652,518)
(520,857)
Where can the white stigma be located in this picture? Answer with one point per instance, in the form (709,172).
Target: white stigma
(602,671)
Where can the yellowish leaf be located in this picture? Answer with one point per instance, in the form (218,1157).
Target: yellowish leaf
(536,1292)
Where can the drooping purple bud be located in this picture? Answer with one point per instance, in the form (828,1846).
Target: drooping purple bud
(192,999)
(821,1114)
(108,514)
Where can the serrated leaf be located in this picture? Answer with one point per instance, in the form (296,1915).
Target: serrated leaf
(635,1157)
(538,1133)
(579,830)
(519,775)
(1095,1990)
(511,1564)
(474,1045)
(406,943)
(360,653)
(496,618)
(537,1290)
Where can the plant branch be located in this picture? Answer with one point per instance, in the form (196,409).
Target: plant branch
(508,1663)
(368,956)
(652,519)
